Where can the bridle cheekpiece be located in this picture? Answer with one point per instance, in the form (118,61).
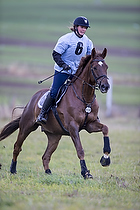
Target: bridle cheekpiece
(98,84)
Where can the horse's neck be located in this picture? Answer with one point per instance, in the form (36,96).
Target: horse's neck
(83,85)
(88,93)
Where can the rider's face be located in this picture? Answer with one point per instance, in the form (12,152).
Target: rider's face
(82,30)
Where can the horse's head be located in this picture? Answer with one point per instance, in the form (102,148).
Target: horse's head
(99,70)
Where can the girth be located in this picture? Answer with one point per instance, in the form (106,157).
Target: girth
(58,120)
(66,132)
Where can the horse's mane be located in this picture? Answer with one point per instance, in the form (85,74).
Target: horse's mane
(82,65)
(83,62)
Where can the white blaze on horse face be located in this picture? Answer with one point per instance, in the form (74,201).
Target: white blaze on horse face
(100,63)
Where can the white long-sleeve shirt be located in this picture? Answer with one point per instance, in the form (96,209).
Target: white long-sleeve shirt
(72,49)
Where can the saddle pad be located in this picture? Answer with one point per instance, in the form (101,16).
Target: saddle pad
(42,99)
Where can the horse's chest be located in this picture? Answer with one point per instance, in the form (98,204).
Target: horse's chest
(80,115)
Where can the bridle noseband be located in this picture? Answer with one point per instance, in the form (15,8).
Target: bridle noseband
(98,84)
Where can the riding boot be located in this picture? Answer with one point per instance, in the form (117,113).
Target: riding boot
(45,109)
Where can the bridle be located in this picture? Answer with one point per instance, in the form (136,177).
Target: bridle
(98,84)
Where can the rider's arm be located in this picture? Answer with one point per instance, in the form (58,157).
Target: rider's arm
(57,58)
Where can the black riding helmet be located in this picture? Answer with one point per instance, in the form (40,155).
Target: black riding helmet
(81,21)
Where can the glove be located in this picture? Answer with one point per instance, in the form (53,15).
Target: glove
(66,67)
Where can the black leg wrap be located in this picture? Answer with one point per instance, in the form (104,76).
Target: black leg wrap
(83,167)
(105,161)
(106,145)
(84,171)
(13,167)
(48,171)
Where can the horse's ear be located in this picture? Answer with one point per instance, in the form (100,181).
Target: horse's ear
(93,53)
(104,53)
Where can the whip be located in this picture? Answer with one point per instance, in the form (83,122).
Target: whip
(39,82)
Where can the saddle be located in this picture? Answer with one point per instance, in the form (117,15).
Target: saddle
(61,92)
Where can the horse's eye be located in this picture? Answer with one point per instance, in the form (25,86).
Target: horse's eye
(95,68)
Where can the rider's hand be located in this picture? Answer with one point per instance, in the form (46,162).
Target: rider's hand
(66,67)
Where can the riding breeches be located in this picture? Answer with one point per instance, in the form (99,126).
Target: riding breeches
(58,81)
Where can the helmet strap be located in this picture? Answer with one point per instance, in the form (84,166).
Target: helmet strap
(77,32)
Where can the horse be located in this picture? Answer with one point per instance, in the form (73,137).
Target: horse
(77,110)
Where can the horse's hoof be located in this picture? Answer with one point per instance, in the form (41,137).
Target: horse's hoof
(13,167)
(105,161)
(48,171)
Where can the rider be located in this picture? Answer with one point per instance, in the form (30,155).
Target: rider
(67,54)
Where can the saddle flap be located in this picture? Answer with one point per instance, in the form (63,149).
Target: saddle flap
(42,99)
(61,92)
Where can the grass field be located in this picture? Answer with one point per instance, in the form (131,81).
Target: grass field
(29,30)
(112,188)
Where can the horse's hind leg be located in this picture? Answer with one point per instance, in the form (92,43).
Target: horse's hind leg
(24,131)
(53,141)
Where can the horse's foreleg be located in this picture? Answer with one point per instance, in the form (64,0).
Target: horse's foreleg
(53,141)
(74,133)
(98,127)
(105,159)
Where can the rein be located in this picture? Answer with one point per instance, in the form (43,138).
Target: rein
(83,99)
(77,77)
(88,105)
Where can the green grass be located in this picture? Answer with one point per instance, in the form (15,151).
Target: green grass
(113,187)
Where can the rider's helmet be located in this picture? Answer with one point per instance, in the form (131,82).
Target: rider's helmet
(81,21)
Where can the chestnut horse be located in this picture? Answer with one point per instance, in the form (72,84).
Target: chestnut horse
(77,110)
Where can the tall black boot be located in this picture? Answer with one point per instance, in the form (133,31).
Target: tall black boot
(45,108)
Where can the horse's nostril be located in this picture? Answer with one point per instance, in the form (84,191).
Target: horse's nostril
(105,87)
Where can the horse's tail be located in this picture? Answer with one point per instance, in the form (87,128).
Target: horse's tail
(9,128)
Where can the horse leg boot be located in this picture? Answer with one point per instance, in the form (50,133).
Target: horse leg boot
(84,171)
(105,159)
(45,109)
